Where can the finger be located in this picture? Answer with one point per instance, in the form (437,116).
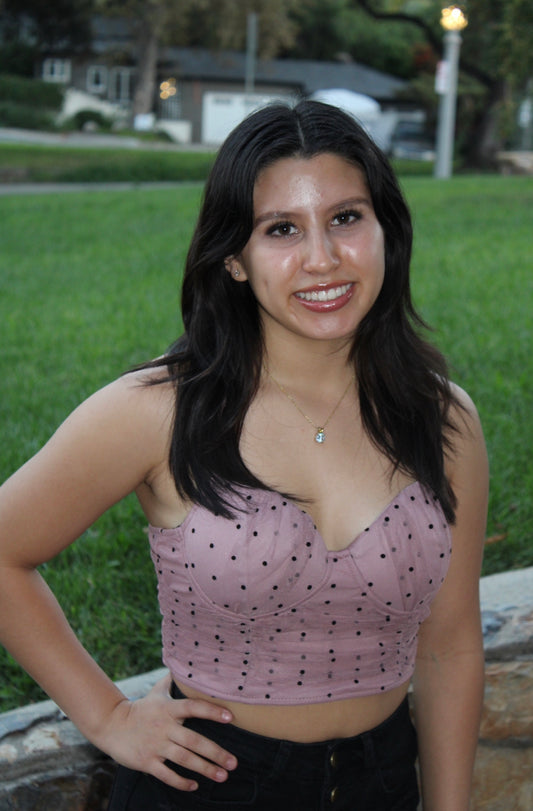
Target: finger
(200,754)
(198,708)
(194,765)
(171,778)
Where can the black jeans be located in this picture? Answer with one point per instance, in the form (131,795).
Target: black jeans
(374,771)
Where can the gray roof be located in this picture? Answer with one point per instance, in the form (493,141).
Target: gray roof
(303,75)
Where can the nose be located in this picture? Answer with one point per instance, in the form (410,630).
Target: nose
(320,253)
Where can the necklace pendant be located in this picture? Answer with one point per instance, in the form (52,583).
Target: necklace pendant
(320,436)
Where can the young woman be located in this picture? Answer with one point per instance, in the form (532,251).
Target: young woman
(316,493)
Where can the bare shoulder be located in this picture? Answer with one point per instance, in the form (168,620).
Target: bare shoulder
(106,448)
(464,408)
(468,455)
(134,406)
(142,391)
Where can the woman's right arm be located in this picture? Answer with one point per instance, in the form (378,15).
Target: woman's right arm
(106,449)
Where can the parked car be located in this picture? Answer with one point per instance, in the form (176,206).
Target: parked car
(412,140)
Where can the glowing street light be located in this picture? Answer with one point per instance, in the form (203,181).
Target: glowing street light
(453,21)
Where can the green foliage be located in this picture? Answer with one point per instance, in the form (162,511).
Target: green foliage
(28,103)
(21,115)
(95,289)
(17,58)
(517,36)
(77,165)
(83,117)
(63,24)
(329,28)
(40,95)
(209,23)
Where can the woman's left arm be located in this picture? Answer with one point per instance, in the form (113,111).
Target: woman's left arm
(448,679)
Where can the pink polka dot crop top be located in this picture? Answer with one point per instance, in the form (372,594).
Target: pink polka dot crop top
(258,610)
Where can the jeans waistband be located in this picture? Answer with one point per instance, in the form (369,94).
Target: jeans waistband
(361,746)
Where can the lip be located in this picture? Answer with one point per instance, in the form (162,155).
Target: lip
(321,305)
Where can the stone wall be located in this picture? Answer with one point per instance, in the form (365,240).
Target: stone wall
(503,779)
(46,764)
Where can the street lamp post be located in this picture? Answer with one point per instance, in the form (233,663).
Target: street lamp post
(453,20)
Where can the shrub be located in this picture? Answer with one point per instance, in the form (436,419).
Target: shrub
(18,58)
(83,117)
(41,95)
(25,117)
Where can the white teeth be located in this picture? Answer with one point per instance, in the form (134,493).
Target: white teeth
(325,295)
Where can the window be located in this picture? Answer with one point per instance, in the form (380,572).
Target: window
(56,70)
(97,79)
(121,84)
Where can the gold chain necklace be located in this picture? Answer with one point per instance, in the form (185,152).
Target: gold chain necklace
(320,430)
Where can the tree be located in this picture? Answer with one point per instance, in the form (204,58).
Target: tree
(496,55)
(59,25)
(210,23)
(222,24)
(340,30)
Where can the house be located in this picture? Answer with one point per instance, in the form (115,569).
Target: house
(200,92)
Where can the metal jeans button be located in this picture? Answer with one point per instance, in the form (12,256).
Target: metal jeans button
(333,760)
(334,794)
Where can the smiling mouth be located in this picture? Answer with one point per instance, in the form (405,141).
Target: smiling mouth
(330,294)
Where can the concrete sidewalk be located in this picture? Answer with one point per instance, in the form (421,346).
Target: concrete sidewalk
(95,140)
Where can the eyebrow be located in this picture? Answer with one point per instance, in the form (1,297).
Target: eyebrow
(289,215)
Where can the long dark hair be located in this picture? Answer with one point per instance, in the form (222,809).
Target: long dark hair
(403,384)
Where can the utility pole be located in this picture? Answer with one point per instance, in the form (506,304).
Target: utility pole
(251,52)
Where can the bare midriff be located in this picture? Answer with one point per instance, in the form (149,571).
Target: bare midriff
(307,723)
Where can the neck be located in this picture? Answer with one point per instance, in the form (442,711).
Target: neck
(297,363)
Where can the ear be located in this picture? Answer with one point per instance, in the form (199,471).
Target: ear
(235,268)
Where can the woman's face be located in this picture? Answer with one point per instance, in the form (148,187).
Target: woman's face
(315,259)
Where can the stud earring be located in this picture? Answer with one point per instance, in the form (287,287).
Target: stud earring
(236,272)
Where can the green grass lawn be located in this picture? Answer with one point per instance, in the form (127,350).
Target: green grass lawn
(61,164)
(89,285)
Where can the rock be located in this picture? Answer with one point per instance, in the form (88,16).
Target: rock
(78,791)
(503,779)
(508,706)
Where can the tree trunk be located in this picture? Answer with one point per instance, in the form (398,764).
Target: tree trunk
(148,44)
(485,138)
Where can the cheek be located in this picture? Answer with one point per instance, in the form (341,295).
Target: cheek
(267,272)
(376,253)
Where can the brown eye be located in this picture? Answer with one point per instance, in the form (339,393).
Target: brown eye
(282,229)
(346,217)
